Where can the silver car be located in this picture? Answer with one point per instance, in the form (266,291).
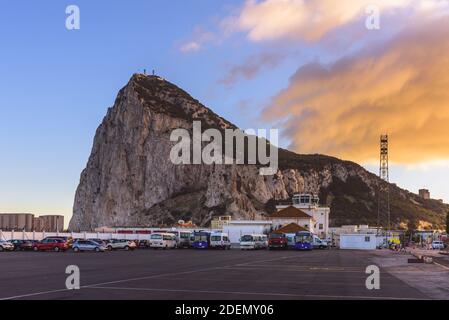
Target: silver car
(6,246)
(87,245)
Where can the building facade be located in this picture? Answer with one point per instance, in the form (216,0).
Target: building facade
(309,204)
(424,193)
(16,221)
(49,223)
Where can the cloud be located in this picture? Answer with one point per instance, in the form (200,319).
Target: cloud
(400,88)
(252,66)
(196,42)
(301,19)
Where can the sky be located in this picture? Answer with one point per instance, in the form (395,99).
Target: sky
(330,75)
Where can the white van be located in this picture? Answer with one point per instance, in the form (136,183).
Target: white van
(253,242)
(163,240)
(220,240)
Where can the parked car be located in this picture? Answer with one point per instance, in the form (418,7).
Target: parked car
(277,241)
(253,242)
(163,240)
(220,240)
(51,244)
(438,245)
(17,243)
(6,246)
(183,238)
(143,244)
(117,244)
(99,241)
(87,245)
(27,245)
(319,243)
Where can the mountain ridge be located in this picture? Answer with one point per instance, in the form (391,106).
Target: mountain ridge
(129,180)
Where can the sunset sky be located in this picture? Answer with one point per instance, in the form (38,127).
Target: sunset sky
(310,68)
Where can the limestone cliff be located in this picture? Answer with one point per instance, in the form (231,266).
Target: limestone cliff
(130,181)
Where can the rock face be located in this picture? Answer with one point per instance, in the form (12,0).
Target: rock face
(130,181)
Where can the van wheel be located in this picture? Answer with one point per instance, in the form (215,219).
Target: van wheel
(56,249)
(97,249)
(110,248)
(127,248)
(76,249)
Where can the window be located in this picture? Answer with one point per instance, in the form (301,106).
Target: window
(367,239)
(215,238)
(321,226)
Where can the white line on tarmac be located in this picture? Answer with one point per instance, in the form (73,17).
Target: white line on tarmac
(256,293)
(127,280)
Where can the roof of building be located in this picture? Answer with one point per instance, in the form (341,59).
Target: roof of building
(290,212)
(291,228)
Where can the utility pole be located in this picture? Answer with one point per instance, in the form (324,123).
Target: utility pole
(384,186)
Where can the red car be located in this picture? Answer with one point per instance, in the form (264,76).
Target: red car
(51,244)
(277,240)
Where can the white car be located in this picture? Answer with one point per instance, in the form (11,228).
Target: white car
(117,244)
(253,242)
(6,246)
(163,240)
(220,240)
(437,245)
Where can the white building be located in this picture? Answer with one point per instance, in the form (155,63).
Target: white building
(309,204)
(237,228)
(358,241)
(292,215)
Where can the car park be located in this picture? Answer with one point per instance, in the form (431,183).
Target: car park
(163,241)
(6,246)
(119,244)
(253,242)
(51,244)
(88,245)
(220,240)
(277,241)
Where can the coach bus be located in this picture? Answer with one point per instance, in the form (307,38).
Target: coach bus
(201,240)
(304,240)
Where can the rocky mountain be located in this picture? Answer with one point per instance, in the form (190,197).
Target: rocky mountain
(130,181)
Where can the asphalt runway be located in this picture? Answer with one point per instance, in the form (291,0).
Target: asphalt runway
(197,275)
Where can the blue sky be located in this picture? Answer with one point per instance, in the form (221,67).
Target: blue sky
(56,84)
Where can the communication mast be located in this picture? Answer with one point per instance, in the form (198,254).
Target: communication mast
(384,185)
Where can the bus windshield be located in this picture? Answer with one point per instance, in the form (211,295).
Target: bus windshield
(247,238)
(304,237)
(200,237)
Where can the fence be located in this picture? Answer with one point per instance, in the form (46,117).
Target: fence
(21,235)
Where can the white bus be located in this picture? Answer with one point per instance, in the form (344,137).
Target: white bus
(163,240)
(220,240)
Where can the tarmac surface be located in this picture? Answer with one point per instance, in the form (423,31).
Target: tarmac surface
(204,275)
